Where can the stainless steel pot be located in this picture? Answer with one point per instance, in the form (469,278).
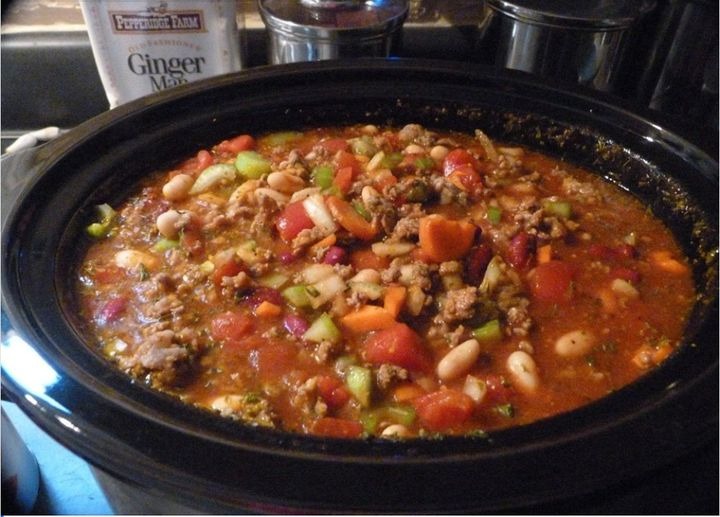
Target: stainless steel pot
(200,460)
(316,30)
(578,42)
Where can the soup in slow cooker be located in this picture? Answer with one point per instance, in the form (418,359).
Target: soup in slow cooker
(379,281)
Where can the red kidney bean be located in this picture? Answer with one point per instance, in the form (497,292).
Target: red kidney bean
(296,325)
(521,249)
(476,263)
(335,255)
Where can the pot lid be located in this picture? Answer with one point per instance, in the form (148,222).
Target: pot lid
(590,14)
(333,19)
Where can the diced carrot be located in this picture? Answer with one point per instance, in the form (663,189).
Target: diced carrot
(544,254)
(407,392)
(349,219)
(663,260)
(368,318)
(364,258)
(268,310)
(344,179)
(325,242)
(443,239)
(394,300)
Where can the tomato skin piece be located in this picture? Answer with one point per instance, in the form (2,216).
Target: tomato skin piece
(237,144)
(552,282)
(398,345)
(333,145)
(458,158)
(443,410)
(292,220)
(231,326)
(337,428)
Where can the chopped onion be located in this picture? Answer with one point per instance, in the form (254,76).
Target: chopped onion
(392,249)
(316,272)
(318,212)
(327,289)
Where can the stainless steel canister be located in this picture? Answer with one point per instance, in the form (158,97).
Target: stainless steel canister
(314,30)
(577,41)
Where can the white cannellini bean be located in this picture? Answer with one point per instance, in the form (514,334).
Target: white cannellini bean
(285,182)
(395,430)
(369,129)
(574,343)
(459,360)
(523,370)
(130,259)
(178,187)
(167,223)
(439,152)
(367,275)
(414,149)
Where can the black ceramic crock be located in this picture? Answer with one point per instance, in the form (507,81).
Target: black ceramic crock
(216,465)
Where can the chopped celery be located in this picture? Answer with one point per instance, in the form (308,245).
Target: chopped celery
(282,138)
(363,145)
(322,176)
(558,208)
(323,329)
(164,244)
(424,163)
(252,165)
(359,381)
(274,280)
(343,362)
(360,209)
(213,175)
(106,216)
(489,332)
(391,160)
(394,414)
(297,296)
(248,252)
(494,214)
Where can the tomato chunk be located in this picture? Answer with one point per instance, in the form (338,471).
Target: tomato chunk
(458,158)
(228,268)
(231,326)
(292,220)
(444,409)
(552,282)
(333,391)
(337,428)
(398,345)
(345,159)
